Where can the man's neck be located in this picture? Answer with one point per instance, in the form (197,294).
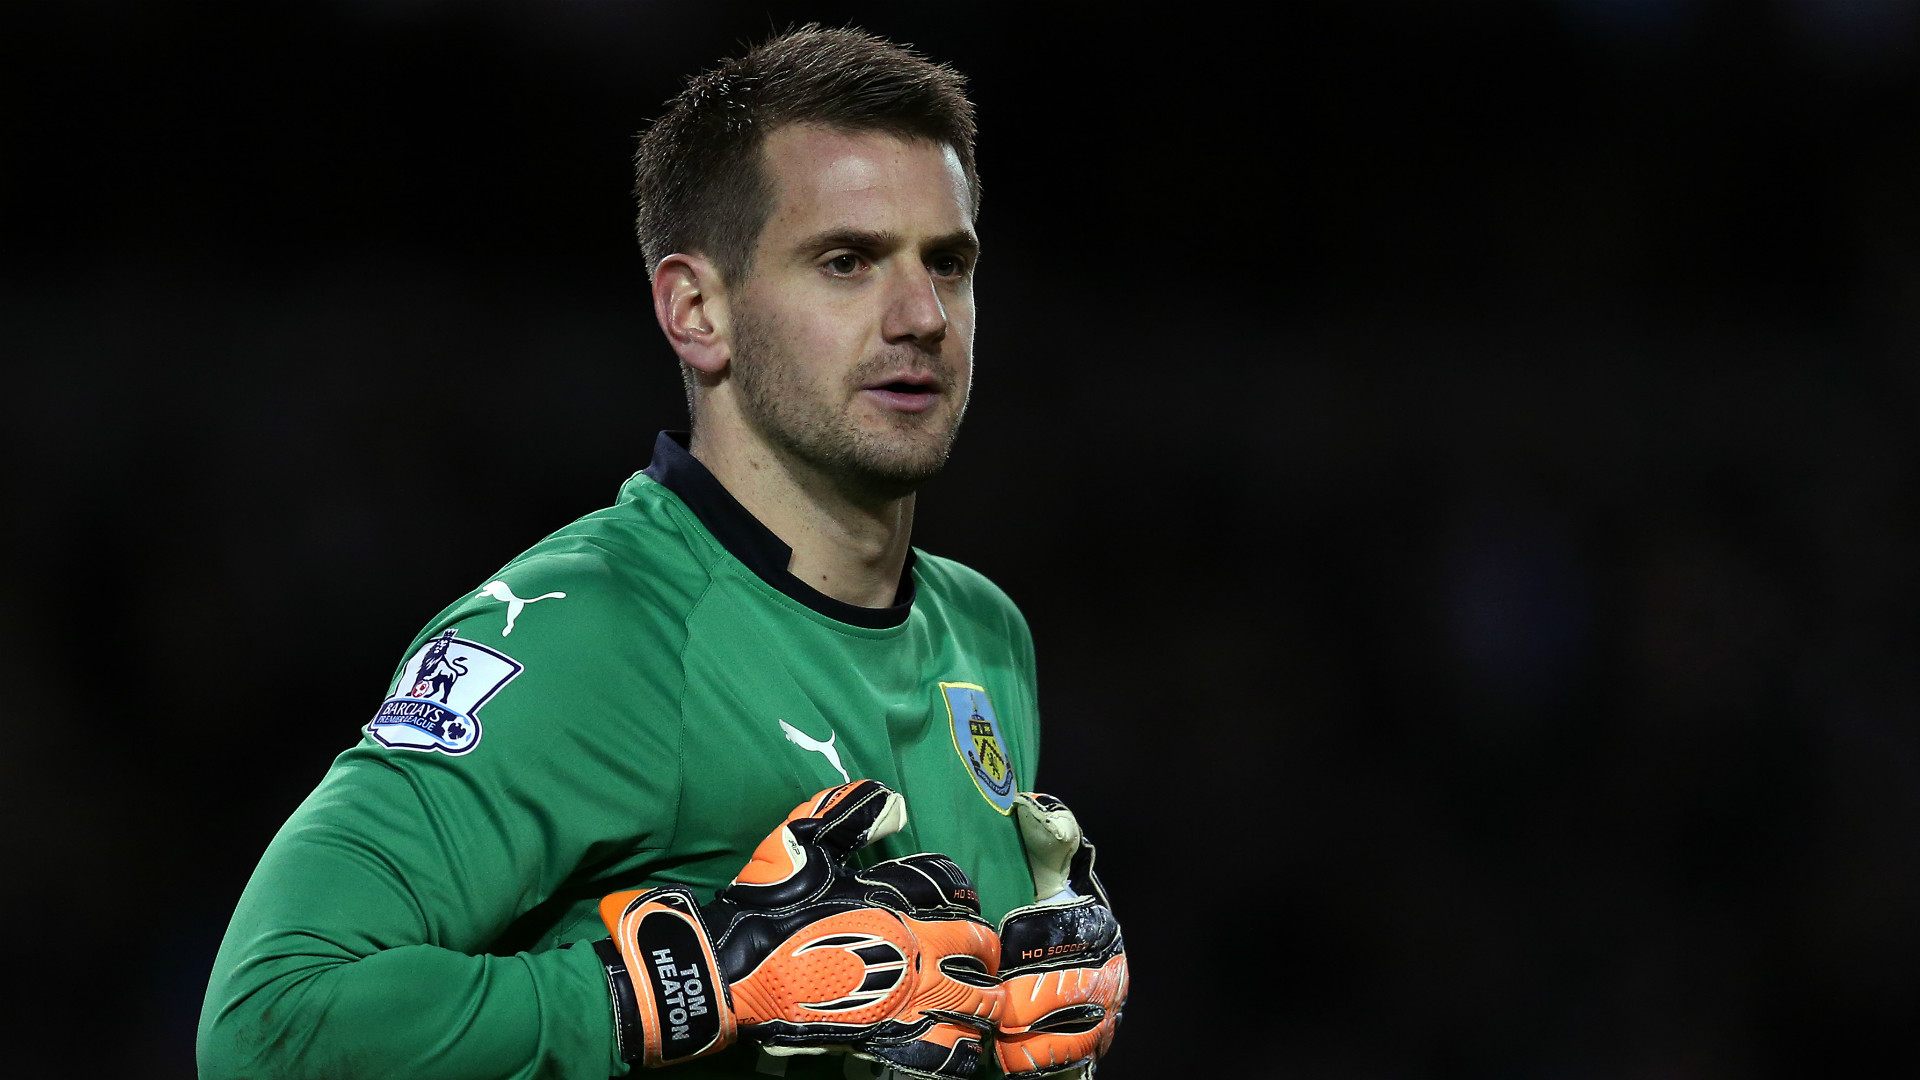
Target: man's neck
(848,548)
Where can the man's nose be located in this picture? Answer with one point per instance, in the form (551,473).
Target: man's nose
(914,311)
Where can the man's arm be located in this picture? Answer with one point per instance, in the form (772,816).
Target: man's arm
(343,960)
(363,943)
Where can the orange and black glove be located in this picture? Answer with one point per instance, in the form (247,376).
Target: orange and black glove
(937,1032)
(804,955)
(1063,964)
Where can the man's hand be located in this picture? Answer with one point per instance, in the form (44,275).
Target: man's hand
(958,995)
(1063,964)
(803,955)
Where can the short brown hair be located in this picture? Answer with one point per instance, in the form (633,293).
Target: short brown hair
(698,178)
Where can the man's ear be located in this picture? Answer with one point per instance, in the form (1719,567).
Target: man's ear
(690,302)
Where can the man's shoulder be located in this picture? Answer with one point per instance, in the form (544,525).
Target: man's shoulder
(947,582)
(603,568)
(646,536)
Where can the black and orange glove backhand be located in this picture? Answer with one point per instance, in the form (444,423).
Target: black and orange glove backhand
(957,996)
(804,955)
(1063,964)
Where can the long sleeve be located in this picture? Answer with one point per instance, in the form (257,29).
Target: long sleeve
(414,916)
(346,958)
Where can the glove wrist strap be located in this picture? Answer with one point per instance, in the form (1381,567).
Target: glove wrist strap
(627,1038)
(680,1005)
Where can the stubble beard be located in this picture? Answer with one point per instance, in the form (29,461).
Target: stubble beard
(872,462)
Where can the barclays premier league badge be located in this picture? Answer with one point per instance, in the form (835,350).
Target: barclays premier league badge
(976,734)
(442,689)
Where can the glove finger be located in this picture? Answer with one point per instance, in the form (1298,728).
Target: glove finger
(944,1051)
(959,970)
(956,996)
(822,831)
(1058,851)
(845,819)
(960,953)
(1056,1057)
(924,883)
(1065,1001)
(1060,1021)
(1052,837)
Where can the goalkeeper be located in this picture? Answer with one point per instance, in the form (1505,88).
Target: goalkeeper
(575,769)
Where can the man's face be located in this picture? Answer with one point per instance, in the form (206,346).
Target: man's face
(853,333)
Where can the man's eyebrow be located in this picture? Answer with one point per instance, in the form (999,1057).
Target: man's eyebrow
(960,240)
(864,239)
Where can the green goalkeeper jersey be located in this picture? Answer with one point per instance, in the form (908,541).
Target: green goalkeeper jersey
(634,702)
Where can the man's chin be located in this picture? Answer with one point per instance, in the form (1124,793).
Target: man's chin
(892,468)
(893,479)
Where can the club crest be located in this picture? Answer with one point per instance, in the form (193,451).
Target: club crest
(976,735)
(441,691)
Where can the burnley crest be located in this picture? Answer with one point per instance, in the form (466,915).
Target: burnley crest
(976,735)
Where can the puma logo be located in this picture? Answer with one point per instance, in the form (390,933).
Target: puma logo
(825,749)
(499,591)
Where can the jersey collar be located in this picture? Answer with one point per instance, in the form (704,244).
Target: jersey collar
(754,544)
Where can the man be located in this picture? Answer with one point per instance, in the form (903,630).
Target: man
(594,742)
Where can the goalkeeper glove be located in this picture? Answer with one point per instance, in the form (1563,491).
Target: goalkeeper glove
(802,954)
(937,1032)
(1063,964)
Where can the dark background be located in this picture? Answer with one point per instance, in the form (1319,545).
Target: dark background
(1458,460)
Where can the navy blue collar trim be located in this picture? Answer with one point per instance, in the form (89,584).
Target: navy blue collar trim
(754,544)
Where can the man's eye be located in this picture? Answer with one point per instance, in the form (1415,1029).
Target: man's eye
(844,264)
(948,265)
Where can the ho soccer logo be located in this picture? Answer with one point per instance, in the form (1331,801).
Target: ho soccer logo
(442,689)
(882,966)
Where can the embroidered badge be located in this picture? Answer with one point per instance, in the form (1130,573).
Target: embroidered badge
(976,735)
(444,684)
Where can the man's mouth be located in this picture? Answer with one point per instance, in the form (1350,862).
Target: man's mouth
(909,392)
